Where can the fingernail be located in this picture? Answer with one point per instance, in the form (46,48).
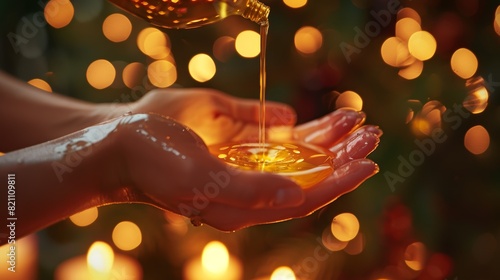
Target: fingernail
(375,129)
(361,146)
(288,197)
(361,117)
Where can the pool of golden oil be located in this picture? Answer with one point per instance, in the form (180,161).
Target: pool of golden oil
(305,164)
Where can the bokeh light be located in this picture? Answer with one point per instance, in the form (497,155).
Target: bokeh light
(308,40)
(295,3)
(395,52)
(133,74)
(162,73)
(283,273)
(422,45)
(345,226)
(247,43)
(415,256)
(202,67)
(100,257)
(429,118)
(496,21)
(476,101)
(484,248)
(330,242)
(116,27)
(412,71)
(215,257)
(464,63)
(406,27)
(410,115)
(41,84)
(408,12)
(58,13)
(477,140)
(127,236)
(223,48)
(349,99)
(153,43)
(85,217)
(438,266)
(176,223)
(101,73)
(356,245)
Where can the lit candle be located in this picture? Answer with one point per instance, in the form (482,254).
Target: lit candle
(101,263)
(215,263)
(19,258)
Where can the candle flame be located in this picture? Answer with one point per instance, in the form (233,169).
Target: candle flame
(215,257)
(283,273)
(100,258)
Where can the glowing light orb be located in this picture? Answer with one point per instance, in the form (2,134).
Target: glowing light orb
(100,258)
(127,236)
(464,63)
(295,3)
(162,73)
(394,52)
(415,256)
(422,45)
(412,71)
(202,67)
(58,13)
(283,273)
(406,27)
(215,257)
(85,217)
(41,84)
(101,74)
(117,27)
(349,99)
(153,43)
(133,74)
(477,140)
(345,226)
(308,40)
(247,43)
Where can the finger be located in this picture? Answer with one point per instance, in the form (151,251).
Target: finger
(261,190)
(358,145)
(365,128)
(343,180)
(331,128)
(249,189)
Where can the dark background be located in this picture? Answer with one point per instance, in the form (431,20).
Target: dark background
(450,201)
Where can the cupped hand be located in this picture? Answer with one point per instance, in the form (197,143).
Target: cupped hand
(169,166)
(342,135)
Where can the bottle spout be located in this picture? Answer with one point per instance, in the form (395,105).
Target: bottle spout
(256,11)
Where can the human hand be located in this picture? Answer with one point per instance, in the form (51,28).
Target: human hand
(216,117)
(343,135)
(197,185)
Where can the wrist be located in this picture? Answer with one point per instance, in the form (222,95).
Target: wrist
(103,112)
(106,163)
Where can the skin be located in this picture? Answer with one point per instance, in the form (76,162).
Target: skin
(70,155)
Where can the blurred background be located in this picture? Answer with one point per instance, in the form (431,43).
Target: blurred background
(427,72)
